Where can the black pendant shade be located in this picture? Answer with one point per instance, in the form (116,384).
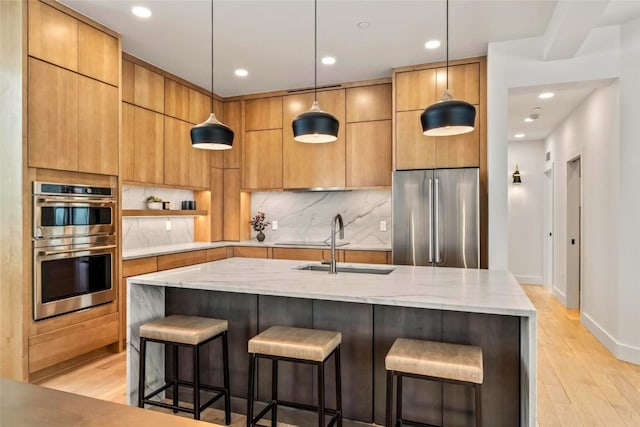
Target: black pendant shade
(212,135)
(315,126)
(448,117)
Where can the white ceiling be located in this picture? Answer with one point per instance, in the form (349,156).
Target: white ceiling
(273,40)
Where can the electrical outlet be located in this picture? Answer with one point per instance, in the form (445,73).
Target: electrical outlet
(383,225)
(167,225)
(274,225)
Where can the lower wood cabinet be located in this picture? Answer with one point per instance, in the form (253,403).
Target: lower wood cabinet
(367,257)
(301,254)
(250,252)
(182,259)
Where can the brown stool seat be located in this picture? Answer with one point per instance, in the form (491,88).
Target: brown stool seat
(183,329)
(436,359)
(295,343)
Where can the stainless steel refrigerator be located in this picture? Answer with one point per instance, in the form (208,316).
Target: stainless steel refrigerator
(436,217)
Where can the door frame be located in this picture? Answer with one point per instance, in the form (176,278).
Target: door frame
(574,287)
(548,237)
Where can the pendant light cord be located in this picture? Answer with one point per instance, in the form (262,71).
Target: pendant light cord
(447,28)
(315,50)
(212,56)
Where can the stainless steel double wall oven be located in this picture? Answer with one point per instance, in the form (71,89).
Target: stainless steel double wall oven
(74,247)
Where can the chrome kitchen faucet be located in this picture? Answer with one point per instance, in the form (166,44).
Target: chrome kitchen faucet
(332,261)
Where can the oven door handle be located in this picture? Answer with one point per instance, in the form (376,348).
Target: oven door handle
(67,251)
(76,200)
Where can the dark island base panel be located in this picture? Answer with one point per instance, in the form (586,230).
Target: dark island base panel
(368,331)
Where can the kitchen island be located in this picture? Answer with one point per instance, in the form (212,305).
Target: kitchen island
(465,306)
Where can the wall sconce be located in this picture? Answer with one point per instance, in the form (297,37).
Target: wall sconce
(516,176)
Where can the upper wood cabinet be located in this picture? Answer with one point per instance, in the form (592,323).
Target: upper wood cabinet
(460,150)
(368,103)
(176,100)
(216,157)
(128,81)
(52,116)
(369,154)
(98,54)
(184,165)
(199,107)
(53,35)
(148,89)
(313,165)
(262,160)
(233,119)
(142,145)
(98,124)
(263,113)
(416,89)
(231,205)
(464,82)
(413,149)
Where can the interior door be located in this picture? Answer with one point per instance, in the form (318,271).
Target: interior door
(573,233)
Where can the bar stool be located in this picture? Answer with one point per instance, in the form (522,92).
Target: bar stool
(310,346)
(191,332)
(434,361)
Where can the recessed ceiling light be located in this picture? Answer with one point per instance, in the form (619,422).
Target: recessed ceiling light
(432,44)
(241,72)
(141,11)
(328,60)
(519,135)
(546,95)
(363,25)
(528,119)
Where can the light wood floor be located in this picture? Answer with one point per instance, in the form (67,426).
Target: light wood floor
(579,382)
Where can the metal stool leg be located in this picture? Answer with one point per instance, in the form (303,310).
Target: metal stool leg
(174,349)
(399,400)
(321,395)
(196,382)
(141,374)
(227,392)
(274,392)
(338,387)
(478,406)
(250,389)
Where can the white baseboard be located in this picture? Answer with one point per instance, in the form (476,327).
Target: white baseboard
(529,280)
(620,350)
(562,297)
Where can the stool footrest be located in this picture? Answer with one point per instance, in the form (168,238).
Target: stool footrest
(220,392)
(335,414)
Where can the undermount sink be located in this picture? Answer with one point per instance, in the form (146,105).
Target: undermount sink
(345,269)
(310,243)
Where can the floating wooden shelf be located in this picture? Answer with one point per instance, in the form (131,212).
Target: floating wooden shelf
(162,212)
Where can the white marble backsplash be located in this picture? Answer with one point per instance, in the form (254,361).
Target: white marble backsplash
(306,216)
(141,232)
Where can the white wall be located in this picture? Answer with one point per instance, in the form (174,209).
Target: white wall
(591,132)
(526,210)
(629,215)
(519,63)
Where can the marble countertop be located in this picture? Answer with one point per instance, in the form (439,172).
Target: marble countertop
(128,254)
(456,289)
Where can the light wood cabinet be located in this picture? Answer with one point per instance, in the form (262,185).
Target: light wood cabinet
(367,103)
(368,160)
(301,254)
(366,257)
(183,165)
(98,126)
(176,100)
(313,165)
(416,89)
(216,157)
(250,252)
(199,107)
(231,205)
(52,116)
(53,35)
(263,113)
(217,205)
(413,149)
(148,89)
(464,82)
(98,54)
(262,160)
(216,254)
(135,267)
(142,145)
(182,259)
(128,78)
(460,150)
(233,118)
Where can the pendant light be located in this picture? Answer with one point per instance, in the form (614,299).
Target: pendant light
(212,134)
(448,116)
(315,126)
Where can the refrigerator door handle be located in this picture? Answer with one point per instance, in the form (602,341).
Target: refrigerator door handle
(430,220)
(436,231)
